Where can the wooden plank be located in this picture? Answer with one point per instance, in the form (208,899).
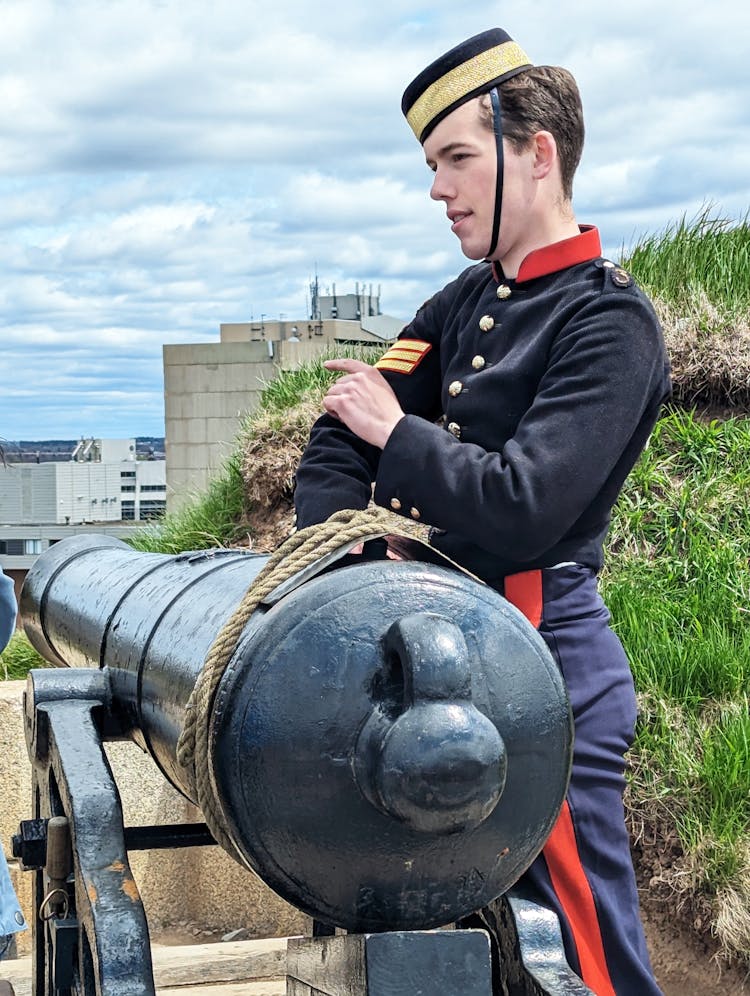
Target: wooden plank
(265,988)
(222,962)
(334,966)
(181,966)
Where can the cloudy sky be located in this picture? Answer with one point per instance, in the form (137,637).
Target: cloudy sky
(167,165)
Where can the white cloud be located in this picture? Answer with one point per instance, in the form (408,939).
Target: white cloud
(166,165)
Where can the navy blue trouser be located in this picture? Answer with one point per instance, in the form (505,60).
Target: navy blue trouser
(585,871)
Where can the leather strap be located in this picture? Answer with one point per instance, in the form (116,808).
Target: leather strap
(497,122)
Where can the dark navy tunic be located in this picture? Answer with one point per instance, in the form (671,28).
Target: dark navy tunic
(548,387)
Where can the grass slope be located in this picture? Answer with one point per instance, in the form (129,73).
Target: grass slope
(698,273)
(677,583)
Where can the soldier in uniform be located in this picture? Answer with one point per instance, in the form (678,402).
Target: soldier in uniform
(507,416)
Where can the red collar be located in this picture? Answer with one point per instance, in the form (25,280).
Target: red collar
(557,256)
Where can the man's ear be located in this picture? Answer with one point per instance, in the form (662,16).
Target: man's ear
(545,154)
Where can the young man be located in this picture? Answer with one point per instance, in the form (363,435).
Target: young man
(548,367)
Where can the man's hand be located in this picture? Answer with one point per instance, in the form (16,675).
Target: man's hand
(363,400)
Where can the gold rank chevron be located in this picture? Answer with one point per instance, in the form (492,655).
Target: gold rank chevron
(404,356)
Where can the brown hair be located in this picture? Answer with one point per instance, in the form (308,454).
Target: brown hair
(542,98)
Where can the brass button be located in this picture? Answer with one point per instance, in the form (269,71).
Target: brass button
(478,362)
(415,513)
(503,292)
(486,323)
(395,504)
(455,429)
(620,277)
(455,388)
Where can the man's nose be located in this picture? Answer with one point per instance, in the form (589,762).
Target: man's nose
(440,189)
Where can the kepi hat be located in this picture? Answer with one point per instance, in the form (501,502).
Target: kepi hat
(476,66)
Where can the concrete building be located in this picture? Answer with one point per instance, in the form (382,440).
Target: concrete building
(102,482)
(102,488)
(209,387)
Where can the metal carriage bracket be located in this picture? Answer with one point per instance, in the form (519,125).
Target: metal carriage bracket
(90,935)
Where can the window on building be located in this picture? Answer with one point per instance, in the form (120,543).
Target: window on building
(152,487)
(128,510)
(12,547)
(127,473)
(21,547)
(153,509)
(127,487)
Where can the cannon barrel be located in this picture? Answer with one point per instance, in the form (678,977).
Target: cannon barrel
(390,742)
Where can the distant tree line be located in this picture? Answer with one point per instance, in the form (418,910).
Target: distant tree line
(46,450)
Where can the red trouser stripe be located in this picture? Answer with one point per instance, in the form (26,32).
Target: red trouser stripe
(561,850)
(524,590)
(574,892)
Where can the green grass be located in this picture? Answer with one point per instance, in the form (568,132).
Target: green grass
(207,520)
(18,658)
(706,256)
(292,387)
(678,586)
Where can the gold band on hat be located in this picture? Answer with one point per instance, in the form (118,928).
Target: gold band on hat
(471,75)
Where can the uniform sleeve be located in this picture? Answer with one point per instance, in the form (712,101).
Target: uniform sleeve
(337,469)
(7,610)
(606,369)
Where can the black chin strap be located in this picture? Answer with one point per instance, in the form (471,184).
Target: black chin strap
(497,121)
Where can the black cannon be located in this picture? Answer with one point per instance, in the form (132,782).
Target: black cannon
(389,746)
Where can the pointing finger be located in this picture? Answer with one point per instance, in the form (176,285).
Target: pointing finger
(346,365)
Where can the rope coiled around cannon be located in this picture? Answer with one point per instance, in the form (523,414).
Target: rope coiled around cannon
(300,550)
